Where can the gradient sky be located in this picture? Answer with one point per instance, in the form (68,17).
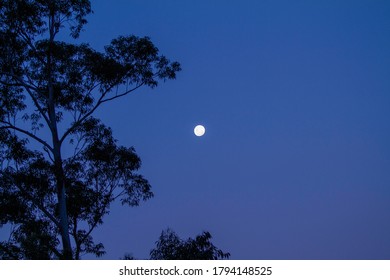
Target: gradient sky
(295,98)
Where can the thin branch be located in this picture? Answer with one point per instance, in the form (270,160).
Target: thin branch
(36,88)
(80,120)
(40,109)
(98,103)
(94,225)
(75,114)
(119,195)
(39,205)
(122,94)
(49,155)
(27,40)
(10,126)
(94,87)
(78,150)
(28,88)
(20,81)
(9,84)
(101,213)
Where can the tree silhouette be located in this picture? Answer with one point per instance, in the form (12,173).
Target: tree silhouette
(171,247)
(49,91)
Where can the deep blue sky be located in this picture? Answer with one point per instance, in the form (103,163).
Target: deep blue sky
(295,98)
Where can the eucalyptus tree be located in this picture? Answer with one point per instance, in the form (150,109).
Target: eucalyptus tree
(49,92)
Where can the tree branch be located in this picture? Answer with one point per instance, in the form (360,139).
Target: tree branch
(122,94)
(98,103)
(81,119)
(39,205)
(40,109)
(28,40)
(100,215)
(10,126)
(28,88)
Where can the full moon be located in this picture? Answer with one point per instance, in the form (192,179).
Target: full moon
(199,130)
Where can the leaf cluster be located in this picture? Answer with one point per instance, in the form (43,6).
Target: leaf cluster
(171,247)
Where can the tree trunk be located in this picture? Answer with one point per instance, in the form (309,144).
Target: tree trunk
(67,253)
(62,209)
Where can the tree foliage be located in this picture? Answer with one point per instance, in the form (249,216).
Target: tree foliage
(61,167)
(171,247)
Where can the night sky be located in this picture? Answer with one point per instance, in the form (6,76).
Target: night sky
(295,98)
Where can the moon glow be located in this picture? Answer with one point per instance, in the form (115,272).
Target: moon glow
(199,130)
